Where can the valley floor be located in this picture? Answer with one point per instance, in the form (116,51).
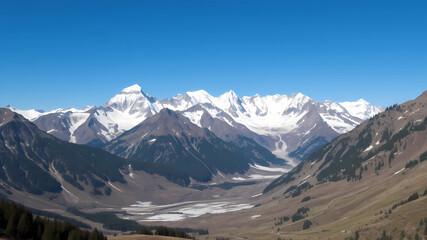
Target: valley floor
(336,211)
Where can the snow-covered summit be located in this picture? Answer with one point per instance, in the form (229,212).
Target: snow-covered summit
(132,89)
(361,108)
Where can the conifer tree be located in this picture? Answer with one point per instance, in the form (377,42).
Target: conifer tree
(25,225)
(12,223)
(48,233)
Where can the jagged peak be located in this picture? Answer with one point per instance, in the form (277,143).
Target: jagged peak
(298,95)
(130,95)
(200,95)
(229,94)
(362,101)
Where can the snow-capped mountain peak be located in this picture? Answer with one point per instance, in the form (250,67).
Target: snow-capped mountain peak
(362,101)
(129,99)
(229,95)
(361,108)
(230,103)
(298,100)
(200,96)
(132,89)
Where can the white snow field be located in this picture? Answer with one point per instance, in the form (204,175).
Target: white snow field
(147,212)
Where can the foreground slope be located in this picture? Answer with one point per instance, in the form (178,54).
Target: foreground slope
(36,162)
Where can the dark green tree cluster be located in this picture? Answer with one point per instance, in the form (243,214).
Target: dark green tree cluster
(424,222)
(307,224)
(172,232)
(145,231)
(280,220)
(423,157)
(300,214)
(385,236)
(379,166)
(109,220)
(306,199)
(411,198)
(353,238)
(17,222)
(411,164)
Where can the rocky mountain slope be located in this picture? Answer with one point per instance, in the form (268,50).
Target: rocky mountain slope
(37,163)
(383,144)
(171,139)
(284,124)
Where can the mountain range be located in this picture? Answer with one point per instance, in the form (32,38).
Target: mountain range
(368,178)
(368,183)
(289,126)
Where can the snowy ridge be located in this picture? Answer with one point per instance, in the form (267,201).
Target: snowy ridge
(291,121)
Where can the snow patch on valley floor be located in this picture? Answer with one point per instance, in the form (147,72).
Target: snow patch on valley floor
(269,169)
(255,216)
(239,179)
(147,212)
(258,176)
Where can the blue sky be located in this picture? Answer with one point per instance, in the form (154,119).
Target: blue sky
(75,53)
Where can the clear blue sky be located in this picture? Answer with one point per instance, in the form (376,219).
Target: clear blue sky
(75,53)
